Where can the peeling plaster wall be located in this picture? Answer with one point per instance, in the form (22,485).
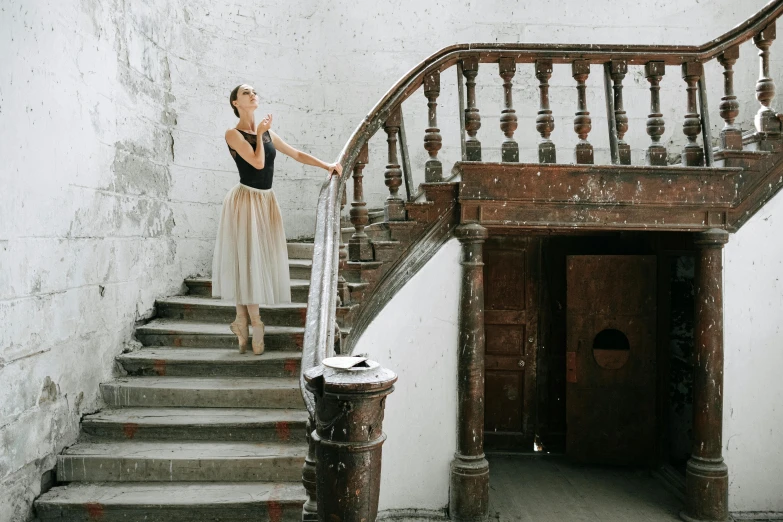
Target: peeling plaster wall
(88,230)
(112,116)
(753,389)
(416,336)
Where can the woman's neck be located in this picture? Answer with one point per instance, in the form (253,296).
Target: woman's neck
(247,120)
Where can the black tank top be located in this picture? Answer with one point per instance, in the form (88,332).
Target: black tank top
(248,174)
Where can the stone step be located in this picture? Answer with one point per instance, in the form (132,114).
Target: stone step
(185,334)
(300,250)
(202,286)
(300,268)
(209,362)
(172,502)
(204,392)
(141,461)
(195,424)
(194,308)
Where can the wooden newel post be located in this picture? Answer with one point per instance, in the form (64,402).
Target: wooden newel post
(350,396)
(469,492)
(706,475)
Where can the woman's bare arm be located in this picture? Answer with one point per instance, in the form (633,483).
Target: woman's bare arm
(236,141)
(303,157)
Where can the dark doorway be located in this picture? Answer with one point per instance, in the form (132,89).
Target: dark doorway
(611,359)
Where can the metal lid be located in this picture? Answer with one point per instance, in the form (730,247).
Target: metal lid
(358,374)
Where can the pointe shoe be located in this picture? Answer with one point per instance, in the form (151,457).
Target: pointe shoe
(242,333)
(258,337)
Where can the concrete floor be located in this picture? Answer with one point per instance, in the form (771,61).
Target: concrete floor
(540,489)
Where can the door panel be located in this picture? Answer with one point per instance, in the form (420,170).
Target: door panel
(611,350)
(510,327)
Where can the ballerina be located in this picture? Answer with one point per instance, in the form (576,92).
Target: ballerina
(250,262)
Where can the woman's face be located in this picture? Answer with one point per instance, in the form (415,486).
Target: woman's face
(247,99)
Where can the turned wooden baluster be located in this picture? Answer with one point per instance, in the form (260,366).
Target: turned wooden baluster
(509,150)
(433,141)
(395,206)
(359,246)
(618,69)
(656,153)
(766,119)
(583,153)
(472,117)
(545,122)
(343,292)
(692,153)
(730,136)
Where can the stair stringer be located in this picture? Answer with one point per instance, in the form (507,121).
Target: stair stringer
(418,253)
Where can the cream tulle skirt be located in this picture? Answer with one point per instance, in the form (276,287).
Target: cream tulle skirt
(250,263)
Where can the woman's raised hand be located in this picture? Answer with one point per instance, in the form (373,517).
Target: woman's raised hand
(264,125)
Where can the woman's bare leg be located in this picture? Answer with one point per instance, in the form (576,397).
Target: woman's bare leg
(258,329)
(239,327)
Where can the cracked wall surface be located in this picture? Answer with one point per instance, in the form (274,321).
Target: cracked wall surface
(88,233)
(112,116)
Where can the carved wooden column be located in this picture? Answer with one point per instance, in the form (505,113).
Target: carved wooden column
(395,206)
(618,69)
(583,153)
(472,118)
(692,153)
(766,119)
(656,153)
(508,117)
(545,122)
(433,141)
(469,492)
(706,476)
(359,247)
(730,136)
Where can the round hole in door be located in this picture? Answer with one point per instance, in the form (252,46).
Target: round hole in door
(611,349)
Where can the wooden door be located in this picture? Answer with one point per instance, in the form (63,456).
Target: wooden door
(510,320)
(610,359)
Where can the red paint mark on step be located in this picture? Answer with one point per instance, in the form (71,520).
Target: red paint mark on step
(291,366)
(275,510)
(94,510)
(283,431)
(273,507)
(130,429)
(159,365)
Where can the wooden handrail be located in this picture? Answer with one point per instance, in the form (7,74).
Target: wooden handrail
(319,332)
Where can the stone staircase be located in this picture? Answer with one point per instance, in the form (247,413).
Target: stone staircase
(195,430)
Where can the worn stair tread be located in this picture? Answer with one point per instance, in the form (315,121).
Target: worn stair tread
(208,383)
(195,416)
(203,328)
(190,494)
(168,450)
(196,300)
(300,262)
(173,355)
(208,280)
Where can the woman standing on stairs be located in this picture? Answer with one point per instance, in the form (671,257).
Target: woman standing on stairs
(250,263)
